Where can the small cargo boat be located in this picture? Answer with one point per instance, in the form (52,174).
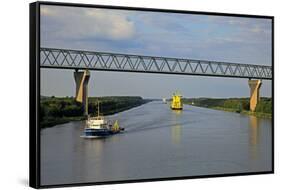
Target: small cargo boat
(99,127)
(176,103)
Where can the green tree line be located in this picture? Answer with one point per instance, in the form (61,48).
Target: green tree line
(56,110)
(235,104)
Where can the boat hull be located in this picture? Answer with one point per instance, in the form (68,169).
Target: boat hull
(95,133)
(176,108)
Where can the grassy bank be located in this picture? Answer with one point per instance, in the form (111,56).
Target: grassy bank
(54,110)
(237,105)
(257,114)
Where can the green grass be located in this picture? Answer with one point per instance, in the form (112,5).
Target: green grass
(257,114)
(237,105)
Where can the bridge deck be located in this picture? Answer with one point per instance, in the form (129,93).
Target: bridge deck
(78,59)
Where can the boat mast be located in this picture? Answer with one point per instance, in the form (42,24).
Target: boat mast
(98,108)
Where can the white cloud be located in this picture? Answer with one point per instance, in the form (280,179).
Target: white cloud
(80,23)
(45,11)
(256,29)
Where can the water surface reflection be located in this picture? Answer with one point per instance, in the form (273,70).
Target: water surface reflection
(158,142)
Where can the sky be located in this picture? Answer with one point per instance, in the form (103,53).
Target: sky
(205,37)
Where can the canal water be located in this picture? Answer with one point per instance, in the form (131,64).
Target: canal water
(158,143)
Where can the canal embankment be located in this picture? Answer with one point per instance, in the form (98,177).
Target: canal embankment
(237,105)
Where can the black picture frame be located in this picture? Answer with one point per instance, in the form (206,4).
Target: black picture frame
(34,93)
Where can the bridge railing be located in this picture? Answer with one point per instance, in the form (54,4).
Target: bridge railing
(77,59)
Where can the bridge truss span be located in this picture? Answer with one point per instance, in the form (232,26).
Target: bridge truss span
(90,60)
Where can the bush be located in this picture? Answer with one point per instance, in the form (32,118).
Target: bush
(264,106)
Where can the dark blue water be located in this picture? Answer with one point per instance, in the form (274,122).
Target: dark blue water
(158,142)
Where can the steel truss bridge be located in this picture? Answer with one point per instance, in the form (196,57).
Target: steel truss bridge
(91,60)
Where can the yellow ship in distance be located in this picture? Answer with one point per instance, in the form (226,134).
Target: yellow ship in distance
(176,103)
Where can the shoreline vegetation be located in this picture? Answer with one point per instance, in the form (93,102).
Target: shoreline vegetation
(59,110)
(237,105)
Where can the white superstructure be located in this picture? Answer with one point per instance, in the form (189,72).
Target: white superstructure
(97,123)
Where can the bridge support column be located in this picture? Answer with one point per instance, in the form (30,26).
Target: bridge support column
(81,80)
(254,93)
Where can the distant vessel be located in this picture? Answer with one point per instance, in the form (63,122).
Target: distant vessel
(164,100)
(99,127)
(176,103)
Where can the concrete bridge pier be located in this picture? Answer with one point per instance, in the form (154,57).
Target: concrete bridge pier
(254,93)
(81,80)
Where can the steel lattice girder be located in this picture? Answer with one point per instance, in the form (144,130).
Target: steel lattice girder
(77,59)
